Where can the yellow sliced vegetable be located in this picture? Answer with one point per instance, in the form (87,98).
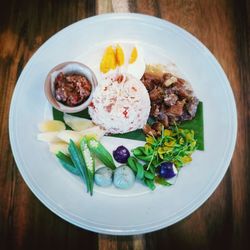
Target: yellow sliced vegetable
(94,132)
(49,137)
(51,126)
(77,123)
(57,147)
(66,135)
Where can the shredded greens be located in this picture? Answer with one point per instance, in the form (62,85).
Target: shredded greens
(174,145)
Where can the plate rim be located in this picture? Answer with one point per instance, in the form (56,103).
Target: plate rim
(196,205)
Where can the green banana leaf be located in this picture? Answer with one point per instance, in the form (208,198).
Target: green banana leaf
(196,124)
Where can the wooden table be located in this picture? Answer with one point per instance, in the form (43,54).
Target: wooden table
(223,222)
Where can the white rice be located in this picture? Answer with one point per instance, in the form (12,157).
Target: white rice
(120,107)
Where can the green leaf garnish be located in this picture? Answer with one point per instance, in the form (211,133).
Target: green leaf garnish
(162,181)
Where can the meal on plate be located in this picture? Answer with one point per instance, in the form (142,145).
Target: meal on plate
(131,98)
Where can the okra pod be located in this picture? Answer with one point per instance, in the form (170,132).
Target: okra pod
(89,162)
(79,163)
(101,153)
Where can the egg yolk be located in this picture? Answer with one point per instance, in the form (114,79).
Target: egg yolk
(119,55)
(108,60)
(133,56)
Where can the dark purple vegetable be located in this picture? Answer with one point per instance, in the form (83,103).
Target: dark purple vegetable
(167,170)
(121,154)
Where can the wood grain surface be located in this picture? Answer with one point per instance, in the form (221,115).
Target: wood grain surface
(223,221)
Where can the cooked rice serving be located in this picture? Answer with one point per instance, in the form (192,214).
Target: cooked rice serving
(120,105)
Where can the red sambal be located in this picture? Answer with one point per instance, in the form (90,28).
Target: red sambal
(72,89)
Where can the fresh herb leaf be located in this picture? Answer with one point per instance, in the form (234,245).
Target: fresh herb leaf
(173,145)
(162,181)
(197,126)
(150,184)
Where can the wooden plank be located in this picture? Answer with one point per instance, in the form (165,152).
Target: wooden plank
(24,222)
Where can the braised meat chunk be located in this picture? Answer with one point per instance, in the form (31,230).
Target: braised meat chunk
(151,81)
(172,98)
(156,94)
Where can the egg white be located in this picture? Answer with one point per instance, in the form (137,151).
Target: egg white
(136,69)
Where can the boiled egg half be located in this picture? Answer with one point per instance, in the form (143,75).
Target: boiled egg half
(122,58)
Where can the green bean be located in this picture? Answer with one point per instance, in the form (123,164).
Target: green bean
(67,163)
(132,163)
(149,175)
(150,183)
(140,171)
(138,151)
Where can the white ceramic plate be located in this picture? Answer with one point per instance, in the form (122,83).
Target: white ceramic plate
(138,210)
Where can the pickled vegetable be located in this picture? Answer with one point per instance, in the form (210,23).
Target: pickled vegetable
(51,126)
(93,132)
(51,137)
(77,123)
(59,146)
(68,135)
